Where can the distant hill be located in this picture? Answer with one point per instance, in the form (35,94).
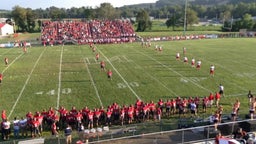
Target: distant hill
(162,3)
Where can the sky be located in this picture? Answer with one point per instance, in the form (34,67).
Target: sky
(34,4)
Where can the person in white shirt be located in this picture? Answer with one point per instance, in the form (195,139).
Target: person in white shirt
(212,68)
(221,89)
(193,62)
(6,129)
(198,64)
(177,56)
(16,127)
(23,127)
(185,59)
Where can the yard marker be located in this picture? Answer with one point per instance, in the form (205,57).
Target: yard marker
(93,83)
(24,86)
(59,85)
(120,75)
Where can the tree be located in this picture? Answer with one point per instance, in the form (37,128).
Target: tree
(19,15)
(143,21)
(107,11)
(191,17)
(31,20)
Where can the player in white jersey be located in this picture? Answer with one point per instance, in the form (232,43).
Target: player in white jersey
(185,59)
(193,62)
(177,56)
(198,64)
(212,68)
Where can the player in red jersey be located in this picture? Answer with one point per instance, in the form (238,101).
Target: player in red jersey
(97,56)
(1,78)
(109,73)
(103,65)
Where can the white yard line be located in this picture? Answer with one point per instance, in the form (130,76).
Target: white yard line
(88,60)
(24,86)
(145,72)
(198,85)
(230,71)
(93,83)
(120,76)
(59,84)
(12,62)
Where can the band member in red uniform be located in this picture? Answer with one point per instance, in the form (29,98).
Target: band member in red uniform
(102,65)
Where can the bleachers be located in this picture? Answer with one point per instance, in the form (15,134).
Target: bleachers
(94,31)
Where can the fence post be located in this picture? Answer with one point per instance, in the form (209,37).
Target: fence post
(182,141)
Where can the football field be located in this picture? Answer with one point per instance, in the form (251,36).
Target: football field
(70,75)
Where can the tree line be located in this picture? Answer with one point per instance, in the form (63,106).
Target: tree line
(233,16)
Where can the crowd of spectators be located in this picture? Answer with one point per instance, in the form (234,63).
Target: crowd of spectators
(94,31)
(32,124)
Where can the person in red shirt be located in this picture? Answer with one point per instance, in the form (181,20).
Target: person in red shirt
(109,120)
(217,99)
(109,73)
(3,115)
(1,78)
(205,103)
(90,119)
(54,129)
(211,98)
(102,65)
(97,56)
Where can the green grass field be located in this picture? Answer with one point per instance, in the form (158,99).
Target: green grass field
(70,76)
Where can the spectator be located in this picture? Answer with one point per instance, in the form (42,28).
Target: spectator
(68,134)
(16,127)
(240,135)
(6,129)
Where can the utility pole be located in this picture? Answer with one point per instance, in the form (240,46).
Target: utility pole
(185,18)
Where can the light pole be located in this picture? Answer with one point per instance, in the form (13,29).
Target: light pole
(185,18)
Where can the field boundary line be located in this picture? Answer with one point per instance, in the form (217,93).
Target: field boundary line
(120,76)
(198,85)
(24,86)
(145,72)
(12,62)
(93,83)
(59,77)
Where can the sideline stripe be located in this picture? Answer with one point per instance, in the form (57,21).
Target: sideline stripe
(198,85)
(120,75)
(93,83)
(24,86)
(59,85)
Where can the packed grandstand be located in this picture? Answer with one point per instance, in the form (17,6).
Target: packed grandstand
(94,31)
